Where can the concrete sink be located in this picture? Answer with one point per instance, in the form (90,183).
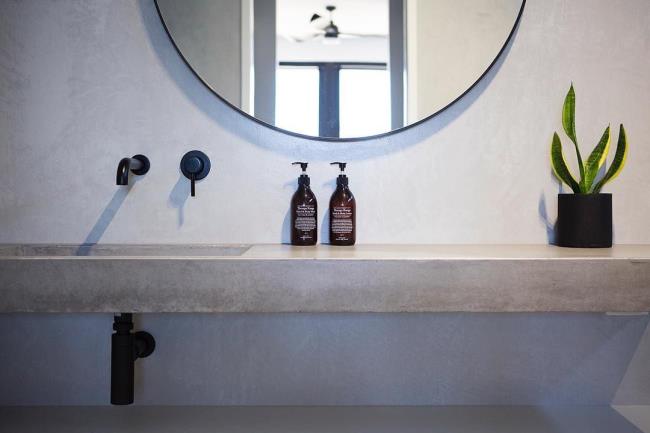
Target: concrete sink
(322,279)
(110,250)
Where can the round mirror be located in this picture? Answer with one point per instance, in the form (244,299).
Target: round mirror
(340,69)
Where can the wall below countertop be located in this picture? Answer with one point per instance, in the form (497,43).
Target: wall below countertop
(84,83)
(333,359)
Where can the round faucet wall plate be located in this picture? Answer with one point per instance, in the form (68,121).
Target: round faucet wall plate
(186,164)
(145,165)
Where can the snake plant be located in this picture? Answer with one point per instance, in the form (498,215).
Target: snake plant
(588,170)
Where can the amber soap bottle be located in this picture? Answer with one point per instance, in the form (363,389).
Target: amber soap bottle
(342,211)
(304,211)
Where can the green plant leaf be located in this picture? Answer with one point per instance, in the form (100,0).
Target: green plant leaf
(595,161)
(619,160)
(569,125)
(569,114)
(559,165)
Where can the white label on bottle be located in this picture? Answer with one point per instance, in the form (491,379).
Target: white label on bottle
(305,217)
(342,220)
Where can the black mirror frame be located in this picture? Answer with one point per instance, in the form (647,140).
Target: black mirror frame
(348,139)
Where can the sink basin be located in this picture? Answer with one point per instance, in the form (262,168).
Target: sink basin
(113,250)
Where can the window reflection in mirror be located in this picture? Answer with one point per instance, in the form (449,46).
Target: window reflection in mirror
(297,108)
(340,68)
(348,44)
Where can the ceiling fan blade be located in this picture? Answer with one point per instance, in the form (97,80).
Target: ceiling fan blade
(319,23)
(314,18)
(306,38)
(288,37)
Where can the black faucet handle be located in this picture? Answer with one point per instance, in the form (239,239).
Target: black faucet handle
(195,165)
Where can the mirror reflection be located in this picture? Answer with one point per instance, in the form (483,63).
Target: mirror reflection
(340,69)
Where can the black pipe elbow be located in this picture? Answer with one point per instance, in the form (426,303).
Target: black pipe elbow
(126,347)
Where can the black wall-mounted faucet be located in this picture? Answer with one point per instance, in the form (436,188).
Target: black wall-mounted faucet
(195,165)
(138,165)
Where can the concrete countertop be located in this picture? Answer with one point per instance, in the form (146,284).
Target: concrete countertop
(323,279)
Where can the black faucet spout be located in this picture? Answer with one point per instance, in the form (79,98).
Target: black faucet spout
(138,165)
(123,168)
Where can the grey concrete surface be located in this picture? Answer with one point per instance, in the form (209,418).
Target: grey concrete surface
(126,250)
(326,359)
(316,420)
(326,280)
(638,415)
(634,389)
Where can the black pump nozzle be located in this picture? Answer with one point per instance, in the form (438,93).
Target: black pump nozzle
(303,179)
(302,165)
(342,180)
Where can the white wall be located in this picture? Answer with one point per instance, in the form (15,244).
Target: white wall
(84,83)
(450,44)
(204,27)
(332,359)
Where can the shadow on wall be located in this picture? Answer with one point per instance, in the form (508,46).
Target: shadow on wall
(237,124)
(178,196)
(543,217)
(543,212)
(105,219)
(330,187)
(107,216)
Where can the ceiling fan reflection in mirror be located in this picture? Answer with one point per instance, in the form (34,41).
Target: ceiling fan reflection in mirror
(266,58)
(325,28)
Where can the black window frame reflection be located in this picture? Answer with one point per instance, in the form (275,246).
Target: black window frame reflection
(329,113)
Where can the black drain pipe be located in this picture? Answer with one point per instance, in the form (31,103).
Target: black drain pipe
(126,347)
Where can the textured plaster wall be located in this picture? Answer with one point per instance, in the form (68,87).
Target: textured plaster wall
(84,83)
(204,27)
(449,44)
(331,359)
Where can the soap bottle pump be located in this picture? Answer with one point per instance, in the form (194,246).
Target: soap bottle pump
(304,211)
(342,211)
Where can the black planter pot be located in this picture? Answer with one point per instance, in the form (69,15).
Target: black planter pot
(584,220)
